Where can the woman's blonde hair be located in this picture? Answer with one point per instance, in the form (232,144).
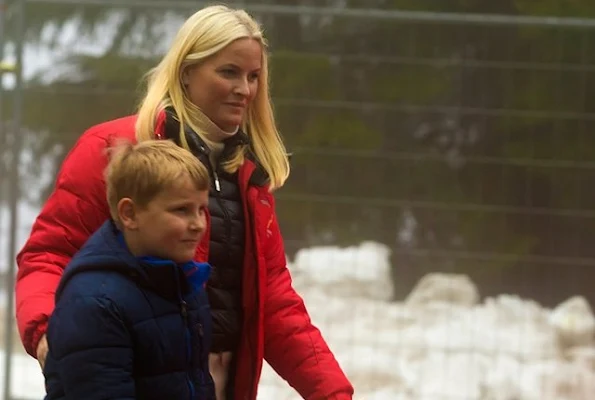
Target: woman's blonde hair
(204,34)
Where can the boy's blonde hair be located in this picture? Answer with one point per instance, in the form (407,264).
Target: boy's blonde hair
(203,35)
(142,171)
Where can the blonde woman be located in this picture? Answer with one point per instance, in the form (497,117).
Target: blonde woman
(210,95)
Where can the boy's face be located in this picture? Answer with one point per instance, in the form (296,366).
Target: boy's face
(170,226)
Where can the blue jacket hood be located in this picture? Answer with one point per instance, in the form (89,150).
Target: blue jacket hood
(106,250)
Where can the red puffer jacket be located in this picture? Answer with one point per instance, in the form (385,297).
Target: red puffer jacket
(276,324)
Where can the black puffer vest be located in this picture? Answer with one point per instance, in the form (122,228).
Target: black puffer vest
(226,247)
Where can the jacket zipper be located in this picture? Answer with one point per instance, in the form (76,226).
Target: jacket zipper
(201,351)
(251,220)
(210,167)
(226,216)
(217,183)
(187,334)
(216,179)
(213,170)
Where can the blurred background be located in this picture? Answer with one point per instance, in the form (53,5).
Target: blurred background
(445,137)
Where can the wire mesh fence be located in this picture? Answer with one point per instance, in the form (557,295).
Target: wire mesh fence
(433,138)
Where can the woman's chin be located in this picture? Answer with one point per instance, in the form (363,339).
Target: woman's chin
(230,125)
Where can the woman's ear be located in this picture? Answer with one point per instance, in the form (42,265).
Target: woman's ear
(185,76)
(127,214)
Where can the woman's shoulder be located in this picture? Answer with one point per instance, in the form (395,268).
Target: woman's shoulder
(107,131)
(91,146)
(252,170)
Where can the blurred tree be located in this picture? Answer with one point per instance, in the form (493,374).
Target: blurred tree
(489,134)
(463,147)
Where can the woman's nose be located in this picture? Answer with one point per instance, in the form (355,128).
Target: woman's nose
(242,87)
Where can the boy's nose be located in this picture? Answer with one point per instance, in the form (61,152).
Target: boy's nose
(199,223)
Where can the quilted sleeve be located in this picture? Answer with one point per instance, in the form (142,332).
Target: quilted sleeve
(75,209)
(293,346)
(91,349)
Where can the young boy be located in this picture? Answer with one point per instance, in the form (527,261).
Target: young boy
(132,319)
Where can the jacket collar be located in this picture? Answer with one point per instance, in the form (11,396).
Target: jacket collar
(171,128)
(106,251)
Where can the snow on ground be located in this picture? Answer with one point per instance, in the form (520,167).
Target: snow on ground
(439,344)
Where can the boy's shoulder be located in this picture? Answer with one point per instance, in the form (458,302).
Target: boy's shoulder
(101,282)
(102,267)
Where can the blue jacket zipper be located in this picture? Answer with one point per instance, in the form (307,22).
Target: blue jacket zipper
(184,312)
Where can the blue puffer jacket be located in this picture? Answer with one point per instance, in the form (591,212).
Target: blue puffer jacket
(128,328)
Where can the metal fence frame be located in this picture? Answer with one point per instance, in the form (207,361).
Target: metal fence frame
(17,9)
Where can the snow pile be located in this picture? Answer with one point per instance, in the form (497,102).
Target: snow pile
(440,344)
(574,322)
(449,288)
(356,271)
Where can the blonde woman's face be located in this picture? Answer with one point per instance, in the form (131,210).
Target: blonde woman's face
(225,84)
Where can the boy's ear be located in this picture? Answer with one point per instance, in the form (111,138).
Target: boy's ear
(127,214)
